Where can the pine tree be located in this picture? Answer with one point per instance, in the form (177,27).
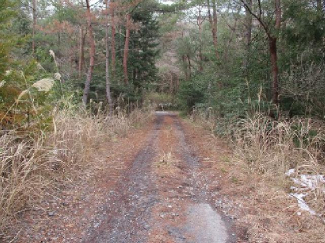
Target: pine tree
(144,45)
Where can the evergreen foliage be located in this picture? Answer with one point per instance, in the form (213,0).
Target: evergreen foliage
(144,46)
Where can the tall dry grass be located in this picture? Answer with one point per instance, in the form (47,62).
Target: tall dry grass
(30,165)
(277,146)
(271,147)
(205,118)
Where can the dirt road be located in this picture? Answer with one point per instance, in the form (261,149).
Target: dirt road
(162,196)
(150,187)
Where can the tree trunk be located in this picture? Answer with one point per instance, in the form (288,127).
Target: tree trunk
(249,22)
(277,14)
(108,84)
(200,23)
(34,24)
(126,48)
(185,67)
(275,70)
(189,66)
(91,54)
(113,30)
(171,84)
(274,54)
(213,19)
(81,52)
(272,38)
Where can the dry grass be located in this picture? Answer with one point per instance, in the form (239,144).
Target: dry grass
(205,118)
(273,147)
(276,146)
(23,173)
(29,166)
(257,194)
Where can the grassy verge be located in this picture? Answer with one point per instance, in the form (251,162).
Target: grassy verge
(275,175)
(32,165)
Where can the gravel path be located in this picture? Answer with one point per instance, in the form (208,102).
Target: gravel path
(133,213)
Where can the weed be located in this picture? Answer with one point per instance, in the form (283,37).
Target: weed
(166,159)
(223,170)
(234,180)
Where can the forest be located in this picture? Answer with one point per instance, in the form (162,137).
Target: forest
(76,74)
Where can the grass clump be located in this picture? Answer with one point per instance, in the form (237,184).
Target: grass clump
(275,147)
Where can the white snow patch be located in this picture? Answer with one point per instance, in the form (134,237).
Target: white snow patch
(304,184)
(310,181)
(302,203)
(167,2)
(290,172)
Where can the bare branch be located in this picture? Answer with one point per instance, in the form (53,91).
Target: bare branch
(258,18)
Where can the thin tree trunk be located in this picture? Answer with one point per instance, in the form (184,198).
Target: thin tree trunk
(249,22)
(81,52)
(215,25)
(58,54)
(91,54)
(277,14)
(213,19)
(108,84)
(171,84)
(113,30)
(185,66)
(275,70)
(272,38)
(34,24)
(200,22)
(189,66)
(126,48)
(274,54)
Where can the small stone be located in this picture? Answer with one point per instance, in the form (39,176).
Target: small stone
(51,214)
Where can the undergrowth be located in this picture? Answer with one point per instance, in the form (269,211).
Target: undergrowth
(271,147)
(31,165)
